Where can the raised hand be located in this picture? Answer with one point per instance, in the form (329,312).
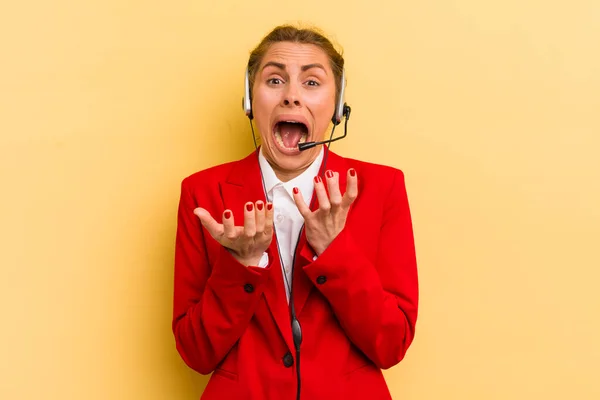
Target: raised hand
(324,224)
(246,243)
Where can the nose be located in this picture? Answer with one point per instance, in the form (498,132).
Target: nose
(291,97)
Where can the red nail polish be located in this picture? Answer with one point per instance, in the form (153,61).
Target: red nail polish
(250,207)
(329,174)
(269,206)
(295,190)
(352,172)
(317,179)
(259,206)
(227,214)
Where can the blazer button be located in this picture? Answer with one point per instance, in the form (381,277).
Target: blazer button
(321,280)
(288,360)
(248,288)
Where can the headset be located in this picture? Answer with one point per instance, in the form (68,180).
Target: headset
(342,110)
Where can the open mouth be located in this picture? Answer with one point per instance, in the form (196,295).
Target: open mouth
(289,134)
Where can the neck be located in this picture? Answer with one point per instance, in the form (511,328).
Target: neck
(284,175)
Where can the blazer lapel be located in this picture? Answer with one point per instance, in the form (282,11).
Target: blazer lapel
(302,286)
(244,184)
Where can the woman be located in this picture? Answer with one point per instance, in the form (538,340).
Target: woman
(295,271)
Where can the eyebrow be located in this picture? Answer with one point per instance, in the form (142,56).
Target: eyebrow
(303,68)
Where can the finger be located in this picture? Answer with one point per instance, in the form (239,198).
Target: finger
(351,188)
(301,204)
(213,227)
(333,187)
(260,217)
(229,225)
(249,220)
(269,220)
(322,194)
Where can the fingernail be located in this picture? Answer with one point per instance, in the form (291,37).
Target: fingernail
(269,206)
(227,214)
(249,207)
(295,190)
(329,174)
(352,172)
(259,206)
(317,179)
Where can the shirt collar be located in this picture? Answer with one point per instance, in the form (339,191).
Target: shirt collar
(304,181)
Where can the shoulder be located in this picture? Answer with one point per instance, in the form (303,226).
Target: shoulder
(380,173)
(218,173)
(377,181)
(380,186)
(374,168)
(214,173)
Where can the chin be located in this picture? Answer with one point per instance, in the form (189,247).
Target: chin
(291,162)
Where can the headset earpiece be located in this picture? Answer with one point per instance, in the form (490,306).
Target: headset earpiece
(340,107)
(247,99)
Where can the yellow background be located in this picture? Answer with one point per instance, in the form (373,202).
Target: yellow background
(492,109)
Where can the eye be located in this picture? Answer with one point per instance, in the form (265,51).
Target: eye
(274,81)
(312,83)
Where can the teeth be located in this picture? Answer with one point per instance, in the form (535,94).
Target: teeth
(278,138)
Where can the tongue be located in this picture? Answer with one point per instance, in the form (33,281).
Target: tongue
(291,133)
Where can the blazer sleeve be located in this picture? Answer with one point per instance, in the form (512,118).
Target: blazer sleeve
(376,303)
(213,301)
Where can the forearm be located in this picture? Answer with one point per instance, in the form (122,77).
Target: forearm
(213,319)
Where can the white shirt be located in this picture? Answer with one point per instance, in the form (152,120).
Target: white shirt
(287,220)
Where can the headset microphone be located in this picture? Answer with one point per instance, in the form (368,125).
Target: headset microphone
(309,145)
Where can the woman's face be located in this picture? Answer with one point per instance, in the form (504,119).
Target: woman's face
(293,100)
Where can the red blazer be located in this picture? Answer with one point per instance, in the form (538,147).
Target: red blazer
(356,303)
